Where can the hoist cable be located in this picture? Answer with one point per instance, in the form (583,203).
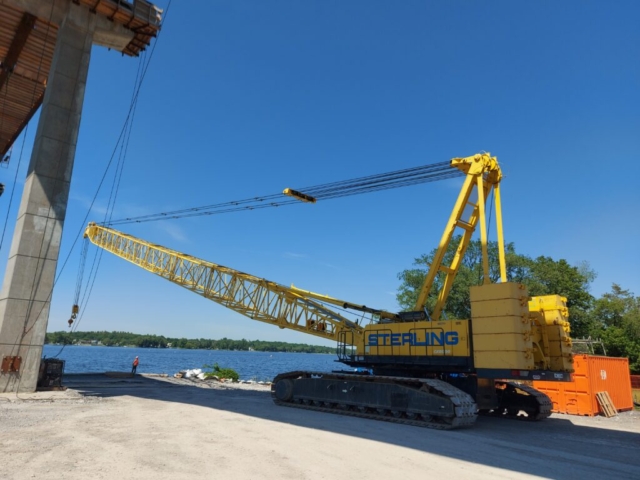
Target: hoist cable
(6,94)
(124,146)
(371,183)
(13,187)
(114,190)
(379,178)
(80,305)
(126,131)
(120,138)
(26,129)
(83,261)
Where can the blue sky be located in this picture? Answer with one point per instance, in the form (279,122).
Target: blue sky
(244,98)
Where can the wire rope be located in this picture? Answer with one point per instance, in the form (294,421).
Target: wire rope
(79,306)
(356,186)
(140,78)
(125,135)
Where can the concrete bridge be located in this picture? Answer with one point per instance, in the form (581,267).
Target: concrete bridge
(45,49)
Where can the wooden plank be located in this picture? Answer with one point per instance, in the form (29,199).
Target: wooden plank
(606,404)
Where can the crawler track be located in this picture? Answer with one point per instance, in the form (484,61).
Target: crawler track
(426,403)
(516,398)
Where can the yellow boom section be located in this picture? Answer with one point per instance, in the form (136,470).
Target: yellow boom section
(254,297)
(483,175)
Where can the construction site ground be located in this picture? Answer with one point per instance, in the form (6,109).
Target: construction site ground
(153,427)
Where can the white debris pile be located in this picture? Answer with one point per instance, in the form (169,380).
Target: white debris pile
(254,382)
(198,374)
(194,373)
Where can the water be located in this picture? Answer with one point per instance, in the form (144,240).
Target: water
(249,365)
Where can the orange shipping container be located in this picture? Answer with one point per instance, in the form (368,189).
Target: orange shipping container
(592,374)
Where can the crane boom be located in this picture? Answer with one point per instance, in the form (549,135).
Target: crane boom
(254,297)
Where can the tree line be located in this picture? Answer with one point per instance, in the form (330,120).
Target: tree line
(614,317)
(121,339)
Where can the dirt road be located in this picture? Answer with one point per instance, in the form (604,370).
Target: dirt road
(154,428)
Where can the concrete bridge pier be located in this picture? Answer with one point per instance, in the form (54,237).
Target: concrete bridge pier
(26,293)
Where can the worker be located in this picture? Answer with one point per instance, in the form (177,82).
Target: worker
(134,366)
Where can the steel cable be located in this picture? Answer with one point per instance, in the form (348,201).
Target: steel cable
(124,136)
(371,183)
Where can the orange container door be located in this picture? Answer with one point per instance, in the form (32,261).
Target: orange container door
(579,391)
(613,376)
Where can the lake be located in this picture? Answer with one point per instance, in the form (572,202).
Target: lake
(249,365)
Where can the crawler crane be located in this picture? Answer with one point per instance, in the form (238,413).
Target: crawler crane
(420,369)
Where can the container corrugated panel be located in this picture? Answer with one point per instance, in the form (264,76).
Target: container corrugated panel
(635,381)
(612,375)
(592,374)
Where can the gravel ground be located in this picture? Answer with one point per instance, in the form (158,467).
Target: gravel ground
(154,428)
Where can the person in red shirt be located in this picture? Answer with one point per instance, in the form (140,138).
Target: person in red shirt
(134,366)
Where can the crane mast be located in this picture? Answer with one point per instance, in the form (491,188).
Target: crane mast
(254,297)
(483,175)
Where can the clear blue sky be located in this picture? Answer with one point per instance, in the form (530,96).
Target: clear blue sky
(245,98)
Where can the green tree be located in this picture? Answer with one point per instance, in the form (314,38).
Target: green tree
(542,276)
(470,273)
(155,341)
(547,277)
(616,320)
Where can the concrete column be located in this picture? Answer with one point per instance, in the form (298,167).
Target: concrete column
(26,293)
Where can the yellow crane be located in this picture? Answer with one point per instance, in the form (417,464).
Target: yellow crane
(420,369)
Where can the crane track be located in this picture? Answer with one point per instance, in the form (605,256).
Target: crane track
(465,409)
(544,402)
(543,405)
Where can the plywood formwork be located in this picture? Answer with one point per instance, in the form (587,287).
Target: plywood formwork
(27,42)
(26,50)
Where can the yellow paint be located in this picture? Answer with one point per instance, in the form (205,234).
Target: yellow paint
(303,197)
(418,339)
(483,175)
(550,319)
(502,336)
(257,298)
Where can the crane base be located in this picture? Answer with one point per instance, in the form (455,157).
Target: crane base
(421,402)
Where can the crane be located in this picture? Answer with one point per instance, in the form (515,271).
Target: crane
(417,368)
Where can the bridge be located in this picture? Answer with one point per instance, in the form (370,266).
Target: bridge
(45,50)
